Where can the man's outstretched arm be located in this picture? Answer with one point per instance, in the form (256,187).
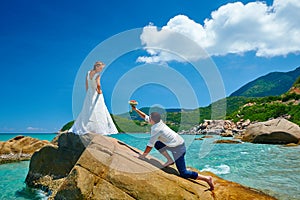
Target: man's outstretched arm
(141,114)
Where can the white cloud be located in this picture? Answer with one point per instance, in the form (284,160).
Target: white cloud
(34,129)
(8,129)
(233,28)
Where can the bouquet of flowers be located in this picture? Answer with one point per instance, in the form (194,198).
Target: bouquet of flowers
(133,103)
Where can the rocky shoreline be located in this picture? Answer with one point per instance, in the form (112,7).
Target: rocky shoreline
(100,167)
(274,131)
(20,148)
(218,127)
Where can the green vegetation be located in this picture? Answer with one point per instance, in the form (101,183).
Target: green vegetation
(125,125)
(272,84)
(290,96)
(233,107)
(259,109)
(263,112)
(67,126)
(262,109)
(297,82)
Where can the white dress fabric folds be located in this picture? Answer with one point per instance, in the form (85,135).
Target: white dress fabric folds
(94,116)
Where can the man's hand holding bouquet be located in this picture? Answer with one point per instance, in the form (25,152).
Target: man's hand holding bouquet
(133,103)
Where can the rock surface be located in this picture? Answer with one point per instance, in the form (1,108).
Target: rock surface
(20,148)
(227,141)
(108,169)
(276,131)
(227,134)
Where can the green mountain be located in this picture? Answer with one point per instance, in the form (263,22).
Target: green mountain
(272,84)
(261,109)
(237,107)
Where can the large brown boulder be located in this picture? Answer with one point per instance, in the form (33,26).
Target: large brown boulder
(276,131)
(56,161)
(108,169)
(20,148)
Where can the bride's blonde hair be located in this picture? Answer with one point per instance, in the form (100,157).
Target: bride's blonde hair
(98,63)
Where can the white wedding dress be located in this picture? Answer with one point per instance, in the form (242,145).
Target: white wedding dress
(94,116)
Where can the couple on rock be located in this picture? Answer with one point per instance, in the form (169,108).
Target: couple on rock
(95,118)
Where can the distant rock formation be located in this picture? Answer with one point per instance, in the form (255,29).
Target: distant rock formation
(20,148)
(225,128)
(275,131)
(100,167)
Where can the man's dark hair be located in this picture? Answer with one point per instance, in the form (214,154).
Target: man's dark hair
(155,116)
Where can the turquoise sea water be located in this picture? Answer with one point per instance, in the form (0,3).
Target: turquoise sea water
(273,169)
(13,175)
(40,136)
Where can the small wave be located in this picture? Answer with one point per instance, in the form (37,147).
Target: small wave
(221,169)
(244,152)
(31,193)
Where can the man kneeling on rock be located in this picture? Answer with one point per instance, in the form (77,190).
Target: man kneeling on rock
(163,138)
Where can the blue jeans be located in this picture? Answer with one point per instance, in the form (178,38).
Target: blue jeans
(178,154)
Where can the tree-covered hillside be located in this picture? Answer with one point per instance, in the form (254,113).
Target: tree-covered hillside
(261,109)
(272,84)
(234,108)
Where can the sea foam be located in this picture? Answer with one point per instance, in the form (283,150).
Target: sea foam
(221,169)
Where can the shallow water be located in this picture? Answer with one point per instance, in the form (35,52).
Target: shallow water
(12,184)
(273,169)
(41,136)
(13,175)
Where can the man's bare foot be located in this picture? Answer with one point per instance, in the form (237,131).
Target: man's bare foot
(208,180)
(210,183)
(168,163)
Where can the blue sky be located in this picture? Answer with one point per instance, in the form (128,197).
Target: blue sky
(45,43)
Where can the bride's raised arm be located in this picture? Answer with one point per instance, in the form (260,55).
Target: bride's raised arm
(98,85)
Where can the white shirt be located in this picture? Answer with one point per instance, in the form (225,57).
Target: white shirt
(161,132)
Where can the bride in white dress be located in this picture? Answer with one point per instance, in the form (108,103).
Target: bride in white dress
(94,116)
